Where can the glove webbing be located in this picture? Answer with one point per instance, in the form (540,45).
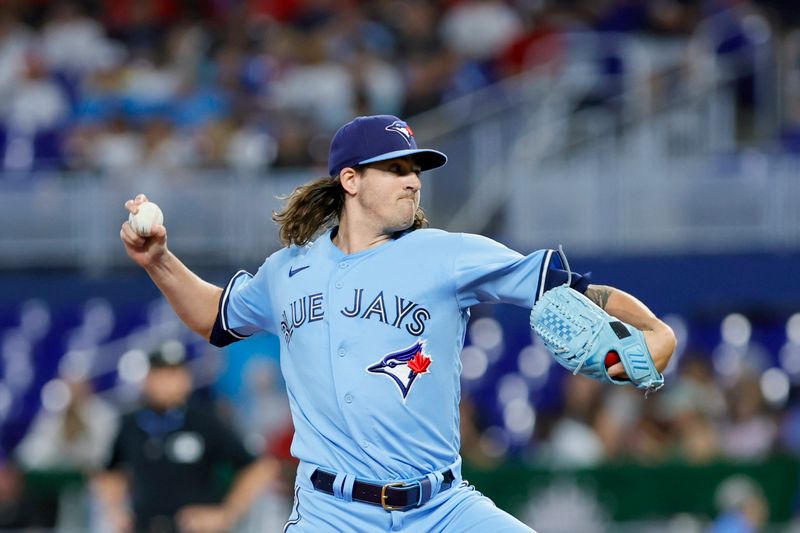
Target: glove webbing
(586,349)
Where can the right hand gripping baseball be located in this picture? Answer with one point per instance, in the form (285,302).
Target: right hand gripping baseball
(579,334)
(144,251)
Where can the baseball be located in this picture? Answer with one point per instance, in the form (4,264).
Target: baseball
(148,214)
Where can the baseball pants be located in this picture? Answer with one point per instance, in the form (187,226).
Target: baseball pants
(458,509)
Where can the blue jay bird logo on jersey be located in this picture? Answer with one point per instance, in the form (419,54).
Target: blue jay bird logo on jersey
(398,126)
(404,366)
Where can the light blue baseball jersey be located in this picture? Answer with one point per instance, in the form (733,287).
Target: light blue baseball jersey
(371,341)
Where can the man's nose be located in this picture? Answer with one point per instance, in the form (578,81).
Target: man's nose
(413,182)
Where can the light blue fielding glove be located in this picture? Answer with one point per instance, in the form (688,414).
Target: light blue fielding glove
(580,334)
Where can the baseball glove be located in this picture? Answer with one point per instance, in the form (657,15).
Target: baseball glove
(580,334)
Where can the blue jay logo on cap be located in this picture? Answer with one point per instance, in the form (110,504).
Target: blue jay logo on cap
(404,366)
(400,127)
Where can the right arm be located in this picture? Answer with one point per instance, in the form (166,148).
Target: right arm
(111,490)
(195,301)
(248,485)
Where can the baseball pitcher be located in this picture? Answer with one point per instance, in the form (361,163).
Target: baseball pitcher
(371,308)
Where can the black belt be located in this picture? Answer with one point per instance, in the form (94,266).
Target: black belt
(395,496)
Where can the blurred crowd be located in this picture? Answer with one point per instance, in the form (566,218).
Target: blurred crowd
(154,463)
(107,85)
(735,402)
(696,419)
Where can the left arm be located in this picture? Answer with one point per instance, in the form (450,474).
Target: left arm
(247,486)
(658,335)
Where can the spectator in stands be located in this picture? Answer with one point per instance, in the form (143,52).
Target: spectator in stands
(75,438)
(574,442)
(693,408)
(73,42)
(166,456)
(749,433)
(15,39)
(314,85)
(617,420)
(743,506)
(116,147)
(480,29)
(33,112)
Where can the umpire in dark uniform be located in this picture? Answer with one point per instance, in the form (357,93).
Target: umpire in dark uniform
(163,474)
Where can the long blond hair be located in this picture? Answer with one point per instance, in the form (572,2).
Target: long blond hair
(317,206)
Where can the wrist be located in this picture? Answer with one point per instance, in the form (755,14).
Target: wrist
(163,264)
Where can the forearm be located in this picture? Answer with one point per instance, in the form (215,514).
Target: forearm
(627,308)
(111,490)
(623,306)
(195,301)
(247,486)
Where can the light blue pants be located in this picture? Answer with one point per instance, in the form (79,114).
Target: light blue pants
(458,509)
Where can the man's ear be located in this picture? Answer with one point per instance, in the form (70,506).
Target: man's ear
(348,178)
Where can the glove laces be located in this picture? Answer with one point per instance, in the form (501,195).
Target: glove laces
(564,262)
(587,350)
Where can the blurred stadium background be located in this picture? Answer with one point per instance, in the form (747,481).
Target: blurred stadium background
(657,140)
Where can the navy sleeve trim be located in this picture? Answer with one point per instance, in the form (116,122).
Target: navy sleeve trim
(221,334)
(219,337)
(223,304)
(556,277)
(543,271)
(552,274)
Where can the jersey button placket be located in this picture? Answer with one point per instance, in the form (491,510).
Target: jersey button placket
(343,356)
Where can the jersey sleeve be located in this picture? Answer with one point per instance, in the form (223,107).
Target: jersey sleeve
(489,272)
(245,307)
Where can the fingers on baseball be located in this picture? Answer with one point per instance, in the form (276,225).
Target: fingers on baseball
(614,365)
(130,237)
(133,205)
(617,371)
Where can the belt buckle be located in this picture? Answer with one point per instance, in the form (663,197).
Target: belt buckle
(384,496)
